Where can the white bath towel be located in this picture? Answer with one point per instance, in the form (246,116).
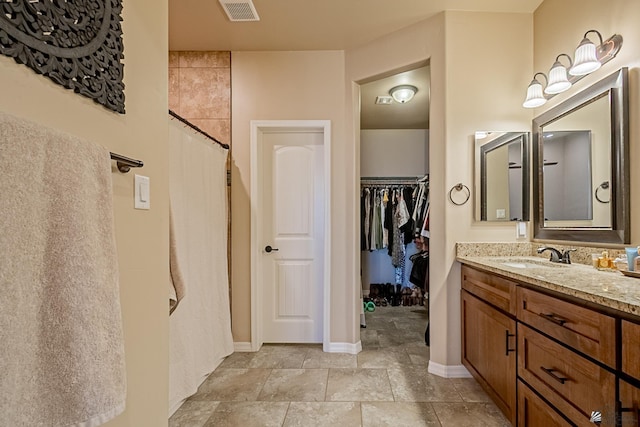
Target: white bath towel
(200,327)
(61,342)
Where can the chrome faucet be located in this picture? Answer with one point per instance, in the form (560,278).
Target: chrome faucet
(556,255)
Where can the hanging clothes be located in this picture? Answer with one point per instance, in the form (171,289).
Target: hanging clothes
(381,203)
(394,215)
(383,208)
(367,213)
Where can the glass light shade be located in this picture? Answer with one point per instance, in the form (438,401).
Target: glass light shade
(403,93)
(558,81)
(535,97)
(585,60)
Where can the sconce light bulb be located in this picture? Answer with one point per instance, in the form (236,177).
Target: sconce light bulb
(585,59)
(558,81)
(535,97)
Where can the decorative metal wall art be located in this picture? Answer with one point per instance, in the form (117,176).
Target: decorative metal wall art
(76,43)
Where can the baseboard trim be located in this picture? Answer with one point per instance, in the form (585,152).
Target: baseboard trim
(343,347)
(448,371)
(242,347)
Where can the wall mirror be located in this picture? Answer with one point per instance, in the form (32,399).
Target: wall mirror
(502,176)
(581,166)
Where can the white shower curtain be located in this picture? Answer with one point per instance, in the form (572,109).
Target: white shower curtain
(200,327)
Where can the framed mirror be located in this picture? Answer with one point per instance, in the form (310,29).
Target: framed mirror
(581,166)
(502,176)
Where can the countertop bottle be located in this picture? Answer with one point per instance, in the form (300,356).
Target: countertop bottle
(604,261)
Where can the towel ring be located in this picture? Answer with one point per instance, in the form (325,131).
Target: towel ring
(604,186)
(459,187)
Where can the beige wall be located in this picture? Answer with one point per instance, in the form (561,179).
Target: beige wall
(200,90)
(488,57)
(285,86)
(570,19)
(478,63)
(142,236)
(472,89)
(394,152)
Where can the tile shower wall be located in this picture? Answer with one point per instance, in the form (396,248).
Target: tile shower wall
(200,90)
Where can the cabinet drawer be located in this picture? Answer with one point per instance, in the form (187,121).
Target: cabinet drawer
(535,412)
(571,383)
(631,349)
(630,404)
(586,330)
(495,290)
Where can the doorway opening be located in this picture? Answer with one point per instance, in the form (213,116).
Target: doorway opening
(394,207)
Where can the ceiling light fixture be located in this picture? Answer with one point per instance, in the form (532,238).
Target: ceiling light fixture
(587,59)
(403,93)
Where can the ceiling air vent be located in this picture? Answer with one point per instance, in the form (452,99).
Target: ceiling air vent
(242,11)
(384,100)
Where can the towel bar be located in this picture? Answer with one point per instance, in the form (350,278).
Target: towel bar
(125,163)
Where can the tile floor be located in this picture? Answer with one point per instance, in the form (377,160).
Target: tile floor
(387,384)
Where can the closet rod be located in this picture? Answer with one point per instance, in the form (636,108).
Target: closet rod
(389,178)
(125,163)
(197,129)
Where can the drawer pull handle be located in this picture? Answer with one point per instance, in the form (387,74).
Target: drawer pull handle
(549,371)
(506,342)
(554,318)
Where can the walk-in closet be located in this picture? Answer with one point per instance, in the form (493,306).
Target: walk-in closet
(394,208)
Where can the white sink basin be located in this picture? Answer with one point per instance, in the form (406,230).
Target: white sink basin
(530,263)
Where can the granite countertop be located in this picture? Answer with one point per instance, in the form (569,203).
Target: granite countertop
(608,288)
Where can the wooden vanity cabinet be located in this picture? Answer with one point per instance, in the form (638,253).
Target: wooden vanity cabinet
(572,357)
(488,336)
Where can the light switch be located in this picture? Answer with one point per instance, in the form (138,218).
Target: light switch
(142,192)
(501,213)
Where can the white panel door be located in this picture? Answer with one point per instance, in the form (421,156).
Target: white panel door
(291,222)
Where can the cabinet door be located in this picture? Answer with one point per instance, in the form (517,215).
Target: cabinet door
(630,405)
(630,346)
(488,351)
(535,412)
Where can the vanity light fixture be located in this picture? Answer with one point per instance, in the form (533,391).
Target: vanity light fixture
(558,81)
(403,93)
(535,97)
(587,59)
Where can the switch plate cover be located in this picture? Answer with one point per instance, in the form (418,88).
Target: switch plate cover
(142,192)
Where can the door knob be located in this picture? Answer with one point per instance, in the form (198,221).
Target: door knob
(269,249)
